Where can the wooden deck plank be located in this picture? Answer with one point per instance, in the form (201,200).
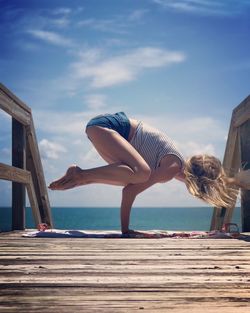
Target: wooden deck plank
(123,275)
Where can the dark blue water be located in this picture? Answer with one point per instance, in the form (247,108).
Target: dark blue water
(180,218)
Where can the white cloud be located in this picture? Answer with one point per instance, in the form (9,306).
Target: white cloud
(51,150)
(62,11)
(198,127)
(63,16)
(95,101)
(118,24)
(137,15)
(66,11)
(60,22)
(63,123)
(124,68)
(193,148)
(51,37)
(206,7)
(115,25)
(92,158)
(89,55)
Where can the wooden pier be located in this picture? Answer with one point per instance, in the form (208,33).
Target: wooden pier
(117,275)
(73,275)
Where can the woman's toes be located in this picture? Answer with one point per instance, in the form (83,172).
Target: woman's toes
(67,181)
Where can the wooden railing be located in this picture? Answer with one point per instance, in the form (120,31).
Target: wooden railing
(26,170)
(237,157)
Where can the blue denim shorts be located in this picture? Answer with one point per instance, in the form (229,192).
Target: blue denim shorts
(117,121)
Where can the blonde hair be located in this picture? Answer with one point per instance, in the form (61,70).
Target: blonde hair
(205,179)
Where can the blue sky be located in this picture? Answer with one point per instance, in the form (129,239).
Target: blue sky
(181,66)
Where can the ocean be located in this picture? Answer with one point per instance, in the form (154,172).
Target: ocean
(107,218)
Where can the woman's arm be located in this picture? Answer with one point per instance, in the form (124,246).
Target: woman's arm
(129,194)
(167,170)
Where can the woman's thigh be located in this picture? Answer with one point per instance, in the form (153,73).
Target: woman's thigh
(114,148)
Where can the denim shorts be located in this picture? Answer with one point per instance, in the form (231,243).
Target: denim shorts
(117,121)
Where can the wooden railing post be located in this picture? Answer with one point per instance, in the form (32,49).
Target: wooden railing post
(34,165)
(26,170)
(237,157)
(18,190)
(245,159)
(231,164)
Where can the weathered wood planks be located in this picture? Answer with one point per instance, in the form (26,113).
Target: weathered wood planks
(14,98)
(237,153)
(20,176)
(231,164)
(241,113)
(245,158)
(34,164)
(14,174)
(18,161)
(24,152)
(13,108)
(124,275)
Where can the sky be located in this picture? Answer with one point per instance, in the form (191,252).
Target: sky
(181,66)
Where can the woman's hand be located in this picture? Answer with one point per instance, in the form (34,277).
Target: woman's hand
(130,232)
(133,233)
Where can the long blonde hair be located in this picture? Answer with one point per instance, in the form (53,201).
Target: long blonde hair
(205,179)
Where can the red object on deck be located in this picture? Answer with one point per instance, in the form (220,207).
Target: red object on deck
(42,226)
(232,229)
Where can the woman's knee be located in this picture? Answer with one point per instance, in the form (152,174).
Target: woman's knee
(142,173)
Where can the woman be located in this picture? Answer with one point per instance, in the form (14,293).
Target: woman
(140,156)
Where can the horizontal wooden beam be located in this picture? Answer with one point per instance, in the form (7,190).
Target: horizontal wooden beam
(14,174)
(14,109)
(18,175)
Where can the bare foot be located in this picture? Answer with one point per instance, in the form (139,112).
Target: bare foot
(68,181)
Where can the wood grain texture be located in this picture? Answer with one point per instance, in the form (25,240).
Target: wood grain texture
(18,161)
(23,177)
(33,202)
(14,109)
(245,159)
(10,94)
(231,164)
(34,164)
(23,131)
(15,174)
(123,275)
(242,112)
(237,144)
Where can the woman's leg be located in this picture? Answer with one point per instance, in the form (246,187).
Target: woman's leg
(128,166)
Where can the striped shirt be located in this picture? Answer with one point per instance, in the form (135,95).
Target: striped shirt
(153,145)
